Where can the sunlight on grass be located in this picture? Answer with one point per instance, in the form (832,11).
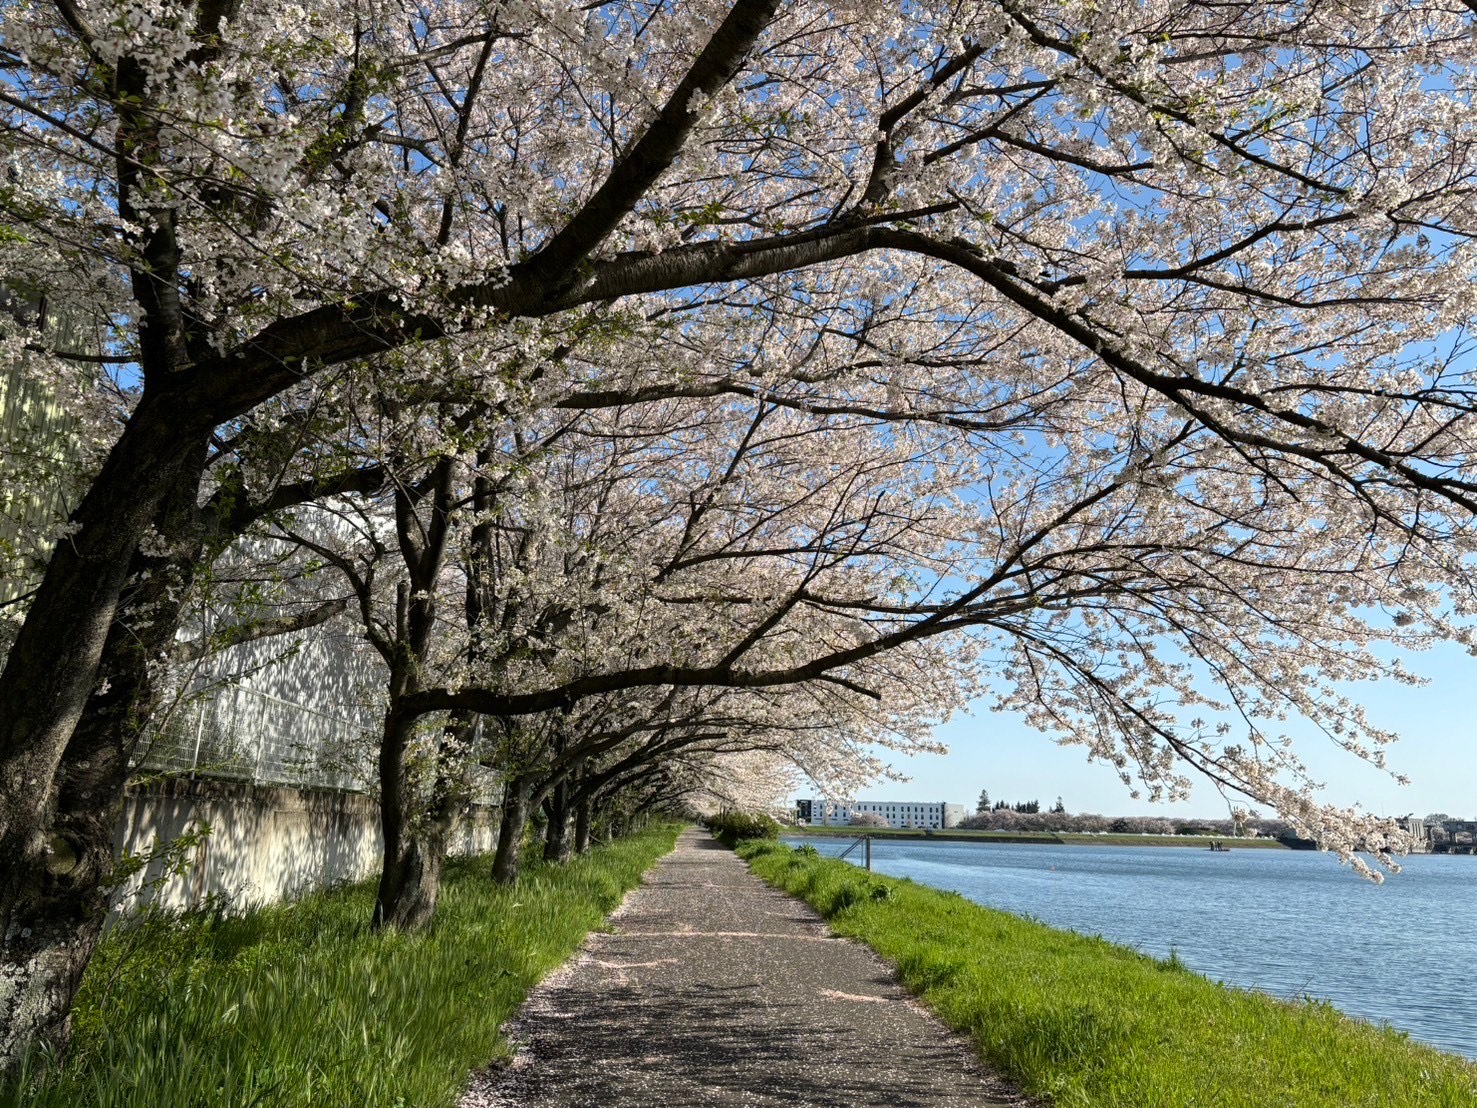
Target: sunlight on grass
(1087,1024)
(300,1005)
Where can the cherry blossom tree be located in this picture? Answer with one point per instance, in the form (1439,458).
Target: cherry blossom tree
(1230,240)
(564,527)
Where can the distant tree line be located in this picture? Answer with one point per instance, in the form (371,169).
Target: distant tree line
(1010,819)
(1025,807)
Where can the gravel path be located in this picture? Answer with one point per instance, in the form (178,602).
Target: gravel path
(716,989)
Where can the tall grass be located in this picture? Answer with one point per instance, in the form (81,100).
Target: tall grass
(1087,1024)
(300,1005)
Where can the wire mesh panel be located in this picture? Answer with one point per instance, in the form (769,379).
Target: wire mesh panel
(245,734)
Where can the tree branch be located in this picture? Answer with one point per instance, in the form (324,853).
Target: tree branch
(256,630)
(662,141)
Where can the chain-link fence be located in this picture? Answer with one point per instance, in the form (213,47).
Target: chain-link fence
(244,734)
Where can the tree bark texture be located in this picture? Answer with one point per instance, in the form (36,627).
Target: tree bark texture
(410,877)
(582,825)
(410,883)
(414,837)
(400,860)
(52,669)
(559,835)
(517,801)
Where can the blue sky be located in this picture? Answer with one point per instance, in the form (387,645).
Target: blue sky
(998,752)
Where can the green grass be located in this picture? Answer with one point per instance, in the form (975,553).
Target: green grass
(1087,1024)
(299,1005)
(1042,838)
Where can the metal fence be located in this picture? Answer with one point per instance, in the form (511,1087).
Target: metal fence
(241,733)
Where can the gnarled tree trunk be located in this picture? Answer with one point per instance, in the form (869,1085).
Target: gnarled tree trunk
(517,804)
(410,877)
(410,887)
(55,860)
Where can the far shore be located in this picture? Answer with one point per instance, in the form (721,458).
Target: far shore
(1037,838)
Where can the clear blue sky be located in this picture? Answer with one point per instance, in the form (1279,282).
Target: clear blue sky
(1436,723)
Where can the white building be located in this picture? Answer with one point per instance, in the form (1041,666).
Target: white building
(927,815)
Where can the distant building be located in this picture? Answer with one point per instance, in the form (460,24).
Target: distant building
(925,815)
(1463,831)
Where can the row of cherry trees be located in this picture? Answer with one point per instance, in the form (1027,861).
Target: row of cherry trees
(674,393)
(1004,819)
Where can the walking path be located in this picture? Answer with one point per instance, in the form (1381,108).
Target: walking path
(716,989)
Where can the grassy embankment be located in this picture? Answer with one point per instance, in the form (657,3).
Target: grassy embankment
(1039,838)
(299,1005)
(1087,1024)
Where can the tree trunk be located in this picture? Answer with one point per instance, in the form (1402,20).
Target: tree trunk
(559,838)
(517,802)
(414,846)
(582,824)
(410,880)
(54,901)
(402,862)
(52,670)
(58,916)
(409,890)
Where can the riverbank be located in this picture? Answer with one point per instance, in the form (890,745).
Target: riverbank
(299,1005)
(1087,1024)
(1038,838)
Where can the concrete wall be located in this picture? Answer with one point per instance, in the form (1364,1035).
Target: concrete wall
(265,844)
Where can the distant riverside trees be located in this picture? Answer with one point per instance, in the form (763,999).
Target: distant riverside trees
(1029,807)
(1006,819)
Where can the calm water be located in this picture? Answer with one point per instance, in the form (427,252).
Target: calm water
(1289,923)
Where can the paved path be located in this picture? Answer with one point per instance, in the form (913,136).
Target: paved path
(716,989)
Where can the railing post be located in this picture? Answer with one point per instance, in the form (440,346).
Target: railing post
(199,732)
(867,851)
(261,753)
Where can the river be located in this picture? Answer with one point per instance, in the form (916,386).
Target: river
(1290,923)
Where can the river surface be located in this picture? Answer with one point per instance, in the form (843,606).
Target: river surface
(1290,923)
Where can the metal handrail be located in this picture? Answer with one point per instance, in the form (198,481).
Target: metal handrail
(866,843)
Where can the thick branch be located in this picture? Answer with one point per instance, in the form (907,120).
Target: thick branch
(256,630)
(640,167)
